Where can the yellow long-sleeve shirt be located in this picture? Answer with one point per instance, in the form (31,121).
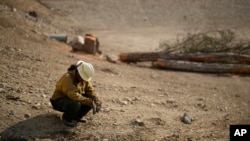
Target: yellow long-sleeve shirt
(68,87)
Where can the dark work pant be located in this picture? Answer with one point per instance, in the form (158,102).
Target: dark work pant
(71,109)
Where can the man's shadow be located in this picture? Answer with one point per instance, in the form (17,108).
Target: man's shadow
(41,126)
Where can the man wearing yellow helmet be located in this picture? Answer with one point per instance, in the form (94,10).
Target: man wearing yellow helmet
(74,95)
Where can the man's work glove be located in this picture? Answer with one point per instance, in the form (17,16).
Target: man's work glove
(96,107)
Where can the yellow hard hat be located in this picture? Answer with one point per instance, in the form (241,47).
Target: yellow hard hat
(86,70)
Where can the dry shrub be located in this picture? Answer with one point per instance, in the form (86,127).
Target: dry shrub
(209,42)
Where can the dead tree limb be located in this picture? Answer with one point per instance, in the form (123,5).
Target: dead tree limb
(203,67)
(210,57)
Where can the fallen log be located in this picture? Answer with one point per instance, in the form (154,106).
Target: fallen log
(140,57)
(203,67)
(210,57)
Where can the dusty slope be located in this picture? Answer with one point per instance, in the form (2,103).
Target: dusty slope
(137,13)
(31,64)
(123,22)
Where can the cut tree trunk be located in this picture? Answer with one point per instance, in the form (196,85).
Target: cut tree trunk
(140,57)
(203,67)
(211,57)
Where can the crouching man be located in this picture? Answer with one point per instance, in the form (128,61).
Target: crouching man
(74,94)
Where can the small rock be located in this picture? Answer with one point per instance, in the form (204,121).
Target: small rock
(200,99)
(18,91)
(27,115)
(190,139)
(12,112)
(1,85)
(136,99)
(133,87)
(35,31)
(127,99)
(111,59)
(201,105)
(105,109)
(49,104)
(244,104)
(166,93)
(39,59)
(124,89)
(44,96)
(123,102)
(237,95)
(11,97)
(12,49)
(71,56)
(170,100)
(153,76)
(37,106)
(138,122)
(152,105)
(122,110)
(186,119)
(33,14)
(2,90)
(13,9)
(160,89)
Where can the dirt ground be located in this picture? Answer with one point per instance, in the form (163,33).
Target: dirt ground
(139,102)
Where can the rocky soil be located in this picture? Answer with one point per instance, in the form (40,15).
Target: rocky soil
(139,102)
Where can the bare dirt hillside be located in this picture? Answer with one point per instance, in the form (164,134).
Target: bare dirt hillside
(139,102)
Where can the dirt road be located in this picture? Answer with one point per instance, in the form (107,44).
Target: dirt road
(139,102)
